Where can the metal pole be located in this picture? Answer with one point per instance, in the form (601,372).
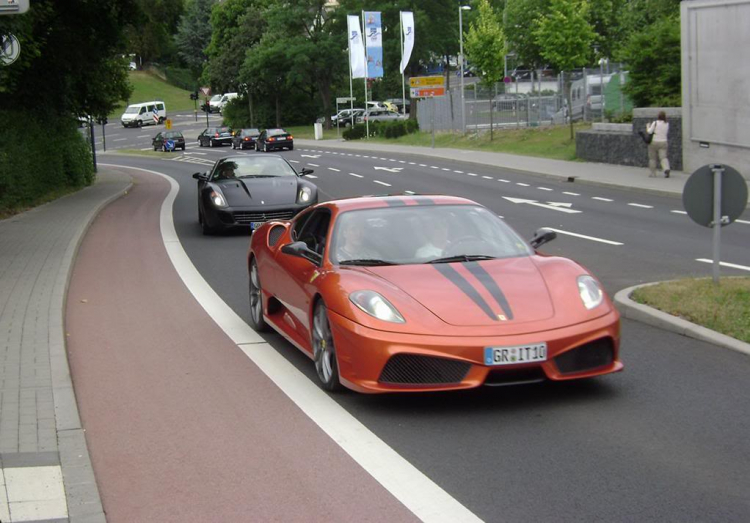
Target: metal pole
(367,120)
(601,85)
(403,80)
(207,109)
(432,119)
(104,139)
(718,170)
(518,121)
(461,52)
(93,145)
(195,111)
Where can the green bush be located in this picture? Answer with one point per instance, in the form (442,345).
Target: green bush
(386,129)
(356,132)
(33,171)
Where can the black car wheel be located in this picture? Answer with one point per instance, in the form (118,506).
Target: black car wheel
(257,147)
(200,142)
(164,148)
(183,147)
(291,147)
(140,123)
(156,147)
(206,229)
(324,351)
(210,142)
(256,299)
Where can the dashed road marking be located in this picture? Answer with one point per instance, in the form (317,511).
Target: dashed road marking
(504,181)
(583,236)
(472,174)
(725,264)
(641,205)
(382,183)
(545,189)
(313,165)
(422,165)
(678,212)
(487,177)
(458,172)
(522,184)
(294,161)
(356,175)
(311,176)
(601,199)
(741,221)
(571,193)
(334,169)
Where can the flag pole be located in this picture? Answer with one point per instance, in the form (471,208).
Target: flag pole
(351,88)
(403,82)
(367,121)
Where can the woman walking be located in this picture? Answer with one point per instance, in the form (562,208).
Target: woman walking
(658,146)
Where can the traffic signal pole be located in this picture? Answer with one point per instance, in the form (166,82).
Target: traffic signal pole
(93,145)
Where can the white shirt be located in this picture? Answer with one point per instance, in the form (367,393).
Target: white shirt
(660,132)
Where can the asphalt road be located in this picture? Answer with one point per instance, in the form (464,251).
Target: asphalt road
(664,440)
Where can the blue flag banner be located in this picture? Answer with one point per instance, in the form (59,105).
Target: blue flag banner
(374,44)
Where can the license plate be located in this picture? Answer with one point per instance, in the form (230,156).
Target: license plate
(255,225)
(533,353)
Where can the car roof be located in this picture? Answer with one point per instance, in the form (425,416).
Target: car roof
(396,200)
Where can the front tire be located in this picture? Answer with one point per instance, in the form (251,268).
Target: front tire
(256,299)
(140,123)
(206,229)
(324,351)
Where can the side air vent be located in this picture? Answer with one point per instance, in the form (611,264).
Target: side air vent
(274,234)
(598,353)
(411,369)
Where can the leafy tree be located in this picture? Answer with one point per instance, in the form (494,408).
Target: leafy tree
(565,36)
(485,48)
(194,34)
(518,17)
(654,60)
(151,33)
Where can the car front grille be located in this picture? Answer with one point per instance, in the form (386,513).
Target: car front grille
(598,353)
(246,217)
(411,369)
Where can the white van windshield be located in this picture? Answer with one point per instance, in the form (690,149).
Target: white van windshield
(132,110)
(216,98)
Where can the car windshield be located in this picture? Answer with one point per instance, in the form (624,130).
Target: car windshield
(252,167)
(132,110)
(173,134)
(276,132)
(250,132)
(422,234)
(216,97)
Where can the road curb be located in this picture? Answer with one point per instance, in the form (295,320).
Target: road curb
(645,314)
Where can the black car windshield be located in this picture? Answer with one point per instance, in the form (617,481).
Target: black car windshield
(173,134)
(423,234)
(252,167)
(250,132)
(276,132)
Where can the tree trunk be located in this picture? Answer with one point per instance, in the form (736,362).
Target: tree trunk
(324,89)
(567,83)
(278,111)
(250,106)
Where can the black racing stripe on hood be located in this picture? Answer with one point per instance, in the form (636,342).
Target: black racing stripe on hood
(491,285)
(461,282)
(394,202)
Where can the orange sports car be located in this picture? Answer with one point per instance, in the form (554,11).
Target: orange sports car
(427,293)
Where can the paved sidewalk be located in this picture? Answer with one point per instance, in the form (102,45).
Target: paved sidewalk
(45,469)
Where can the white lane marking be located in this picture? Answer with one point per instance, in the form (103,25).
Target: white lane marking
(119,139)
(458,172)
(358,156)
(434,167)
(401,161)
(384,159)
(504,181)
(680,212)
(309,156)
(389,169)
(445,169)
(356,175)
(522,184)
(294,161)
(412,163)
(725,264)
(192,152)
(410,192)
(571,193)
(601,199)
(143,136)
(592,238)
(641,206)
(382,183)
(487,177)
(545,189)
(334,169)
(392,160)
(560,204)
(403,480)
(313,164)
(422,165)
(740,221)
(365,156)
(472,174)
(147,149)
(311,176)
(561,207)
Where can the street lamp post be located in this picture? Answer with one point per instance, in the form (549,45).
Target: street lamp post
(462,8)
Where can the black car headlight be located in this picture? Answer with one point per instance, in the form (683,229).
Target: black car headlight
(304,195)
(218,199)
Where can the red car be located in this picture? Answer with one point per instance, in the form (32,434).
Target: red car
(426,293)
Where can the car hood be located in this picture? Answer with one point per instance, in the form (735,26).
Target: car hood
(474,294)
(275,190)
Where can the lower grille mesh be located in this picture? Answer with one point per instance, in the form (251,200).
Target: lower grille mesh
(410,369)
(245,217)
(597,353)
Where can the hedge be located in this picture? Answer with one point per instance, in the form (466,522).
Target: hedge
(41,157)
(385,129)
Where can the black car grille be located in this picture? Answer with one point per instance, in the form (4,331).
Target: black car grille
(246,217)
(411,369)
(274,234)
(598,353)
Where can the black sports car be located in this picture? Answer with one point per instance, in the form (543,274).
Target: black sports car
(271,139)
(245,138)
(246,191)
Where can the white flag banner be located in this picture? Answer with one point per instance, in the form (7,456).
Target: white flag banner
(407,25)
(356,48)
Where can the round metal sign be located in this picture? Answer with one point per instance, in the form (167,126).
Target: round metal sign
(169,144)
(10,48)
(507,79)
(698,195)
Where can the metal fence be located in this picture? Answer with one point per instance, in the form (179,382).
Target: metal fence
(534,99)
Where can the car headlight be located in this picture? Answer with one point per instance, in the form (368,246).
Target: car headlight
(218,199)
(305,194)
(591,292)
(376,306)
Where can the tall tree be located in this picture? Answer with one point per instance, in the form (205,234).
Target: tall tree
(150,34)
(194,34)
(485,48)
(519,16)
(564,36)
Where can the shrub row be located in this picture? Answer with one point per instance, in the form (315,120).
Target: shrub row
(385,129)
(40,157)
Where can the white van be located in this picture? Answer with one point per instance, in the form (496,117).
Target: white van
(138,115)
(228,97)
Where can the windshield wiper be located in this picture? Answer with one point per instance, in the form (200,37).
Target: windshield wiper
(372,262)
(463,258)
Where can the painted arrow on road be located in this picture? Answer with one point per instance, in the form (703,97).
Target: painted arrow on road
(309,156)
(389,169)
(550,205)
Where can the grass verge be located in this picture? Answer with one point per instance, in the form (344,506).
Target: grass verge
(724,308)
(307,132)
(148,87)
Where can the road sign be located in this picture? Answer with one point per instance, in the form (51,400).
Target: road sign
(427,81)
(427,92)
(168,124)
(169,145)
(206,91)
(345,99)
(13,7)
(507,79)
(698,195)
(10,48)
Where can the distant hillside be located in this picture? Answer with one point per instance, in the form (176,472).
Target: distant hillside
(147,87)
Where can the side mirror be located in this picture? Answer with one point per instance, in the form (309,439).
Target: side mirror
(542,236)
(305,172)
(200,176)
(300,250)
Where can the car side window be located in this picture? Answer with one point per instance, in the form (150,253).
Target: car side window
(315,231)
(158,136)
(143,110)
(298,224)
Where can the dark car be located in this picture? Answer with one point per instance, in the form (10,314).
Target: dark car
(271,139)
(245,139)
(249,190)
(215,136)
(162,139)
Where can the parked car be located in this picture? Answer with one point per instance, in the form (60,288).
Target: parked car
(373,115)
(245,138)
(146,113)
(399,103)
(343,118)
(215,137)
(271,139)
(249,190)
(427,293)
(160,141)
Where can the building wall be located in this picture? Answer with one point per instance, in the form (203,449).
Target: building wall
(716,83)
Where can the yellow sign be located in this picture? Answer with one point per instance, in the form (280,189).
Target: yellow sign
(168,124)
(427,81)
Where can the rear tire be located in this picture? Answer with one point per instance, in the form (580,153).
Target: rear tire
(324,351)
(256,299)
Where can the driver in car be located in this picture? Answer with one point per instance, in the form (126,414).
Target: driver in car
(353,244)
(437,233)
